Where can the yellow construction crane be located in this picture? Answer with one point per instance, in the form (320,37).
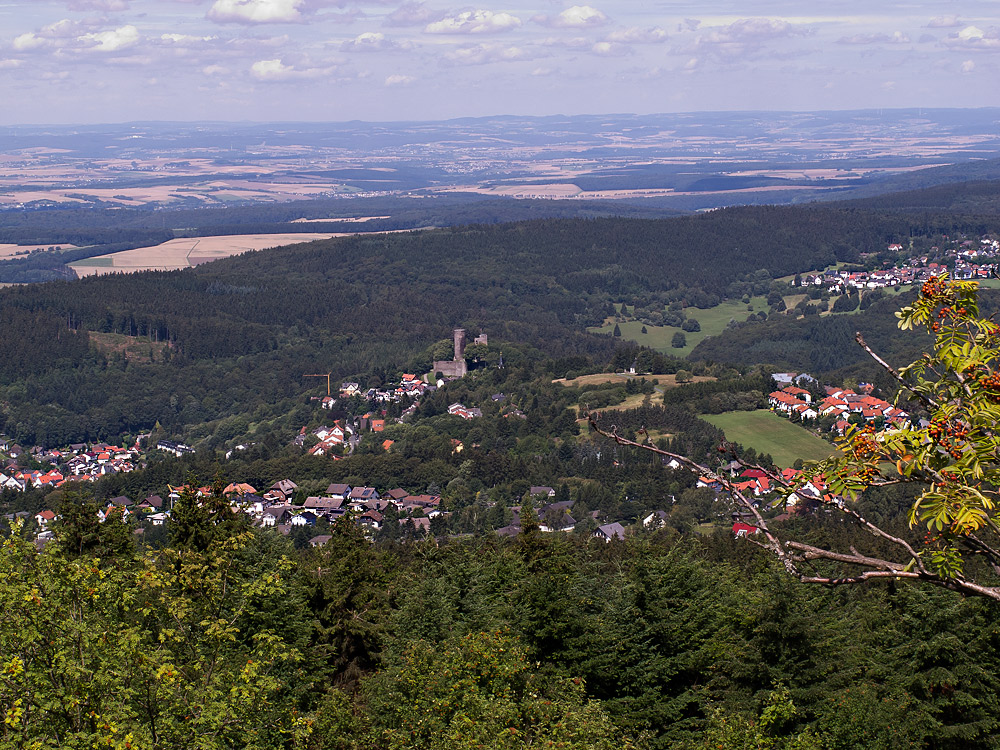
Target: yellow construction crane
(322,375)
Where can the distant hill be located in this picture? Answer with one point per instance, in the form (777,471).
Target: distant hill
(965,197)
(979,171)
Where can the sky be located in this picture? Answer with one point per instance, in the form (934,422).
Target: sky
(104,61)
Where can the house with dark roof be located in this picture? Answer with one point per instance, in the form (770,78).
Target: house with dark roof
(610,531)
(339,491)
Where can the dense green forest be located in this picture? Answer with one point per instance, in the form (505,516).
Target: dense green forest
(100,230)
(241,332)
(209,633)
(230,638)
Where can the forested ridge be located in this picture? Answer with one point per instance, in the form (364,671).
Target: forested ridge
(209,633)
(242,331)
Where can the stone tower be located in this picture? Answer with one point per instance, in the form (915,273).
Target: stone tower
(459,344)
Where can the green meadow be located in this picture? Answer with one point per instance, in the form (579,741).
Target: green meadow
(766,432)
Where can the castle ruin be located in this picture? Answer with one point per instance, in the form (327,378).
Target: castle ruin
(456,368)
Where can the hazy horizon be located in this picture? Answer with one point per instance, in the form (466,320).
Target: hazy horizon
(114,61)
(497,115)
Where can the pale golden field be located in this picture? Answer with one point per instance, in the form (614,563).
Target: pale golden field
(345,219)
(187,252)
(14,251)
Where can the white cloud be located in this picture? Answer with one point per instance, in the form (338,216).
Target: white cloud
(100,5)
(64,29)
(746,37)
(49,36)
(635,35)
(610,49)
(412,14)
(752,29)
(543,71)
(112,41)
(474,22)
(898,37)
(255,11)
(974,38)
(186,40)
(28,41)
(10,63)
(968,66)
(481,54)
(215,70)
(399,80)
(371,41)
(944,22)
(575,42)
(277,70)
(576,17)
(252,44)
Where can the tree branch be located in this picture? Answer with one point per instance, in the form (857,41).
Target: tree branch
(927,400)
(774,544)
(805,553)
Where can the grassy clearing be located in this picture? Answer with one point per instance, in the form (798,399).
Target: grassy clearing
(766,432)
(103,261)
(632,402)
(712,321)
(600,378)
(132,347)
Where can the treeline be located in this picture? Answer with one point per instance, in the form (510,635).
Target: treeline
(241,332)
(824,344)
(657,642)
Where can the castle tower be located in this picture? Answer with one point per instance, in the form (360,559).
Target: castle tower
(459,344)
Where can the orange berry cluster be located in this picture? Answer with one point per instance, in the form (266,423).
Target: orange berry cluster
(934,287)
(949,436)
(864,446)
(990,382)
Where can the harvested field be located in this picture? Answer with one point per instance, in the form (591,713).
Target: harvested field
(13,251)
(187,252)
(335,218)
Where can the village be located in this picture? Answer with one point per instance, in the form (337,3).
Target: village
(281,508)
(960,258)
(843,405)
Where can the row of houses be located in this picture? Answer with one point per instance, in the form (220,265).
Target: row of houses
(409,386)
(79,463)
(758,488)
(840,403)
(915,271)
(557,517)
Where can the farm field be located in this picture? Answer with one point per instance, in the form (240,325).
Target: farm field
(186,252)
(13,251)
(712,322)
(766,432)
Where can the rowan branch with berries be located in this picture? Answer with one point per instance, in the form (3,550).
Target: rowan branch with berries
(952,457)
